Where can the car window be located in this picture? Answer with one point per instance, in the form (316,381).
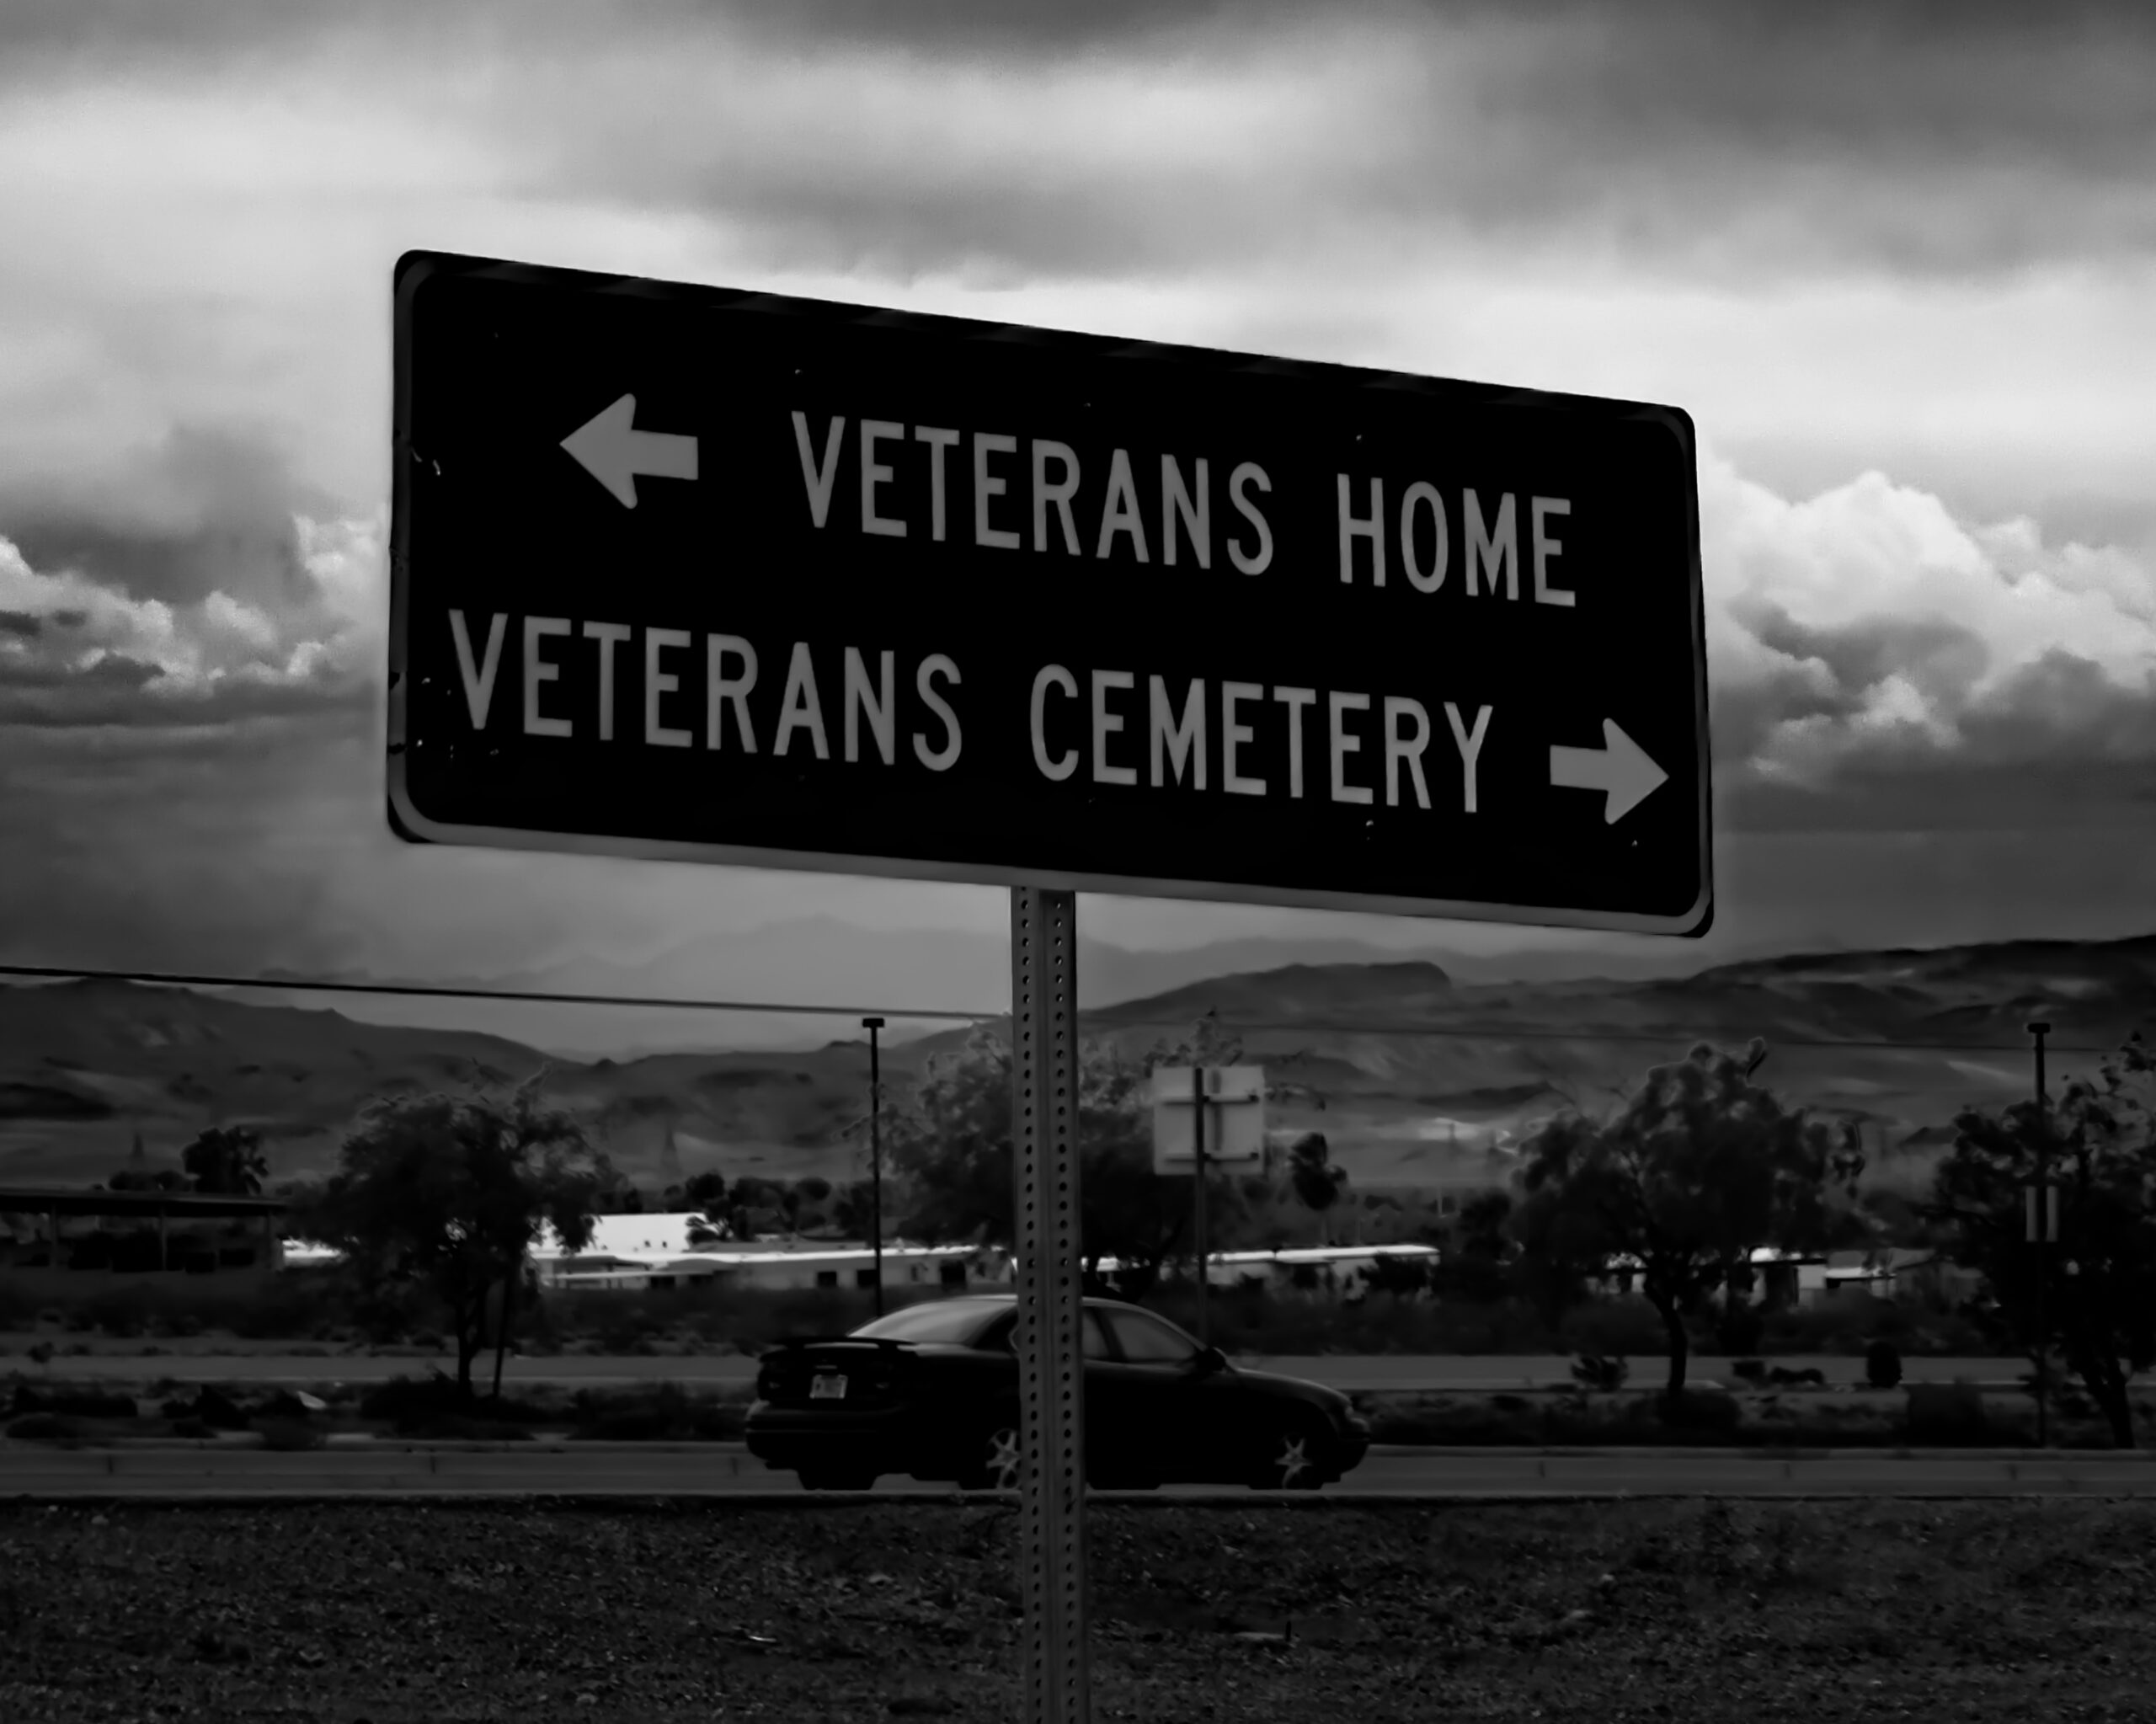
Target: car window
(945,1320)
(1093,1340)
(1147,1340)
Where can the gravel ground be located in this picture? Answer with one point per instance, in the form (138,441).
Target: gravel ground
(647,1614)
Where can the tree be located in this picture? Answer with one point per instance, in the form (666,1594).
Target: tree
(705,1191)
(451,1190)
(853,1207)
(1317,1182)
(1699,1167)
(949,1146)
(1476,1250)
(227,1160)
(2098,1281)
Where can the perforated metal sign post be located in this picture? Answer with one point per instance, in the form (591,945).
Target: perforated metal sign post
(1051,1375)
(703,574)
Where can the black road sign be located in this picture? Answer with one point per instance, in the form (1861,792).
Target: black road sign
(690,572)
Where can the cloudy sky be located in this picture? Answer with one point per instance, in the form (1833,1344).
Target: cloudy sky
(1898,261)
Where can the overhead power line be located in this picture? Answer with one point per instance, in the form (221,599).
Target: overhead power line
(176,978)
(1372,1026)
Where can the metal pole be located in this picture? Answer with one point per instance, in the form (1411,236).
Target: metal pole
(1051,1308)
(2039,1031)
(876,1155)
(1197,1194)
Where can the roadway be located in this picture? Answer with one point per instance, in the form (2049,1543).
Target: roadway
(724,1469)
(1354,1374)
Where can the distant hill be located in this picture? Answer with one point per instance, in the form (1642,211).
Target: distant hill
(1416,1078)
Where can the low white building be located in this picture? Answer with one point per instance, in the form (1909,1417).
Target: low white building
(1309,1267)
(636,1252)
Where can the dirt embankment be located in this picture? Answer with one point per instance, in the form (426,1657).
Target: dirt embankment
(1615,1614)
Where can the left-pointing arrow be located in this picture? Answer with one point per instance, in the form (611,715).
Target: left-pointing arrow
(1621,768)
(614,452)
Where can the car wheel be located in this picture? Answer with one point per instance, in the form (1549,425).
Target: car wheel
(1294,1457)
(817,1478)
(993,1458)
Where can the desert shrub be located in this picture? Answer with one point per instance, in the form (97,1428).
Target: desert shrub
(291,1436)
(662,1414)
(1624,1325)
(1441,1422)
(1711,1410)
(81,1404)
(45,1427)
(1511,1403)
(1751,1370)
(467,1428)
(1604,1375)
(1738,1327)
(409,1403)
(1946,1413)
(1882,1364)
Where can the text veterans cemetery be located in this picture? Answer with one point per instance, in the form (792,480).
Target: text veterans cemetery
(682,571)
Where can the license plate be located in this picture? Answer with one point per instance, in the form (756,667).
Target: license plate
(829,1387)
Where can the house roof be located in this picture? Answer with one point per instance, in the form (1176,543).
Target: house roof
(47,1200)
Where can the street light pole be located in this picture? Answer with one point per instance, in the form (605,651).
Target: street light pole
(876,1154)
(2043,1227)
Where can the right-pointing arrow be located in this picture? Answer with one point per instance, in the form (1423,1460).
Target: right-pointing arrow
(1619,767)
(614,452)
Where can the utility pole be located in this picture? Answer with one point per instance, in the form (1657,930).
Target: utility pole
(2041,1224)
(876,1154)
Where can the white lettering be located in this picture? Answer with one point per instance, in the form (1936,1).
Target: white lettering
(985,445)
(657,683)
(819,480)
(1197,519)
(1063,765)
(1343,745)
(723,688)
(1182,743)
(1487,551)
(1402,750)
(1295,699)
(938,440)
(1250,473)
(1422,492)
(860,698)
(798,708)
(1104,723)
(1470,747)
(478,684)
(608,635)
(1060,494)
(943,759)
(1233,734)
(872,432)
(1121,514)
(1546,547)
(537,670)
(1353,526)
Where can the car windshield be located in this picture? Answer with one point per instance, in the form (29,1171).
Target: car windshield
(951,1320)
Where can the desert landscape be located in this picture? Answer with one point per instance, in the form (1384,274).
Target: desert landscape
(1418,1079)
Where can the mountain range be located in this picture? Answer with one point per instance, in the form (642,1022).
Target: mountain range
(1418,1077)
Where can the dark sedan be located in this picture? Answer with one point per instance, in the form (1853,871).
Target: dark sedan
(932,1392)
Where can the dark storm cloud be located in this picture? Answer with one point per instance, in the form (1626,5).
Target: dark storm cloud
(209,509)
(1710,138)
(120,693)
